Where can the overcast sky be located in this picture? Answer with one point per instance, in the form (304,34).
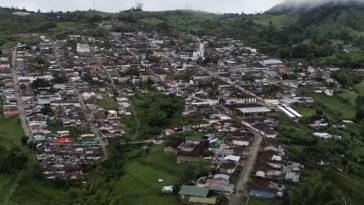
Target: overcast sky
(223,6)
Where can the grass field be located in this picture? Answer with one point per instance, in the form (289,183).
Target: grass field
(335,107)
(350,96)
(151,20)
(359,88)
(22,188)
(140,186)
(353,94)
(5,184)
(350,185)
(306,111)
(277,20)
(10,130)
(107,102)
(30,191)
(255,201)
(62,27)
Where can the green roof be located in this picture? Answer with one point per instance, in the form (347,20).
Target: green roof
(91,142)
(193,191)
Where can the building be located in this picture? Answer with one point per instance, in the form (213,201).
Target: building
(188,191)
(200,53)
(253,112)
(83,48)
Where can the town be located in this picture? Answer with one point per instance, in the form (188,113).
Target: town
(74,94)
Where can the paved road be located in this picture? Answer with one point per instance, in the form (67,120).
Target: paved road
(85,111)
(248,92)
(240,186)
(237,197)
(19,99)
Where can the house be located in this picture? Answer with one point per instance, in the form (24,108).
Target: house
(172,146)
(192,151)
(201,201)
(262,188)
(188,191)
(252,112)
(83,48)
(237,99)
(167,190)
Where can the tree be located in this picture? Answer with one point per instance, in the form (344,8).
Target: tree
(138,6)
(39,83)
(60,78)
(24,139)
(47,110)
(359,101)
(316,190)
(359,115)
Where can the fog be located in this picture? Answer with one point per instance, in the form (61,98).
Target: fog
(319,2)
(217,6)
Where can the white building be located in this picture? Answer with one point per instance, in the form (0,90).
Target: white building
(83,48)
(200,53)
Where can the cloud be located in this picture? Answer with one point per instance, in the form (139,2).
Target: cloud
(223,6)
(306,5)
(320,2)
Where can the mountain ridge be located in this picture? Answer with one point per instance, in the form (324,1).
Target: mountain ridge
(305,6)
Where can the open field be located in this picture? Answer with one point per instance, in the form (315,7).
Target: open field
(359,88)
(31,191)
(351,95)
(335,107)
(139,184)
(107,102)
(276,20)
(306,111)
(256,201)
(22,188)
(10,130)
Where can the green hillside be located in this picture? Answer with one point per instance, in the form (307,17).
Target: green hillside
(332,34)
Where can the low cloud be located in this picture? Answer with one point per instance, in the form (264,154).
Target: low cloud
(320,2)
(234,6)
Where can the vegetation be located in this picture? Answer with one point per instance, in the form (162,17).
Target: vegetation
(327,188)
(335,107)
(158,112)
(140,183)
(256,201)
(40,83)
(338,181)
(330,35)
(107,102)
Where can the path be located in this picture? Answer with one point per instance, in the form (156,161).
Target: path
(237,197)
(19,99)
(94,130)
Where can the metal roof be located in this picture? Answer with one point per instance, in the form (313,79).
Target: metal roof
(193,191)
(253,109)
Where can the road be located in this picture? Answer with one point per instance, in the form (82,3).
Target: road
(84,109)
(237,197)
(248,92)
(22,115)
(241,184)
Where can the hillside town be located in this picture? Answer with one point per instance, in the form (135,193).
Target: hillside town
(72,95)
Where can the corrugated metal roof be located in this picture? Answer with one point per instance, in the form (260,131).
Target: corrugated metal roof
(193,191)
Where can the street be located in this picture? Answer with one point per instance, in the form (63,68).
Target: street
(22,114)
(94,130)
(240,186)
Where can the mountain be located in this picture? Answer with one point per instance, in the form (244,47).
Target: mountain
(330,32)
(327,32)
(305,5)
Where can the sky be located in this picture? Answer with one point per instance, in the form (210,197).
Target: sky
(216,6)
